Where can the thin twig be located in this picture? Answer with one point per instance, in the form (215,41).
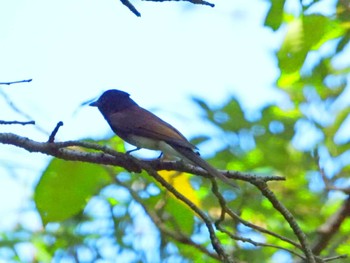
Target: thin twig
(13,106)
(308,5)
(198,2)
(328,183)
(54,132)
(262,186)
(331,227)
(15,82)
(334,258)
(176,235)
(137,13)
(17,122)
(225,209)
(20,112)
(345,190)
(257,244)
(214,240)
(131,7)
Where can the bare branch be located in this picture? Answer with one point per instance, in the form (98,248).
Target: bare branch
(262,186)
(137,13)
(257,244)
(331,227)
(329,184)
(15,82)
(131,7)
(54,132)
(111,157)
(57,150)
(345,190)
(20,112)
(329,259)
(233,215)
(179,166)
(198,2)
(17,122)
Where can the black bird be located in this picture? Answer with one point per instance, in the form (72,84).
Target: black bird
(143,129)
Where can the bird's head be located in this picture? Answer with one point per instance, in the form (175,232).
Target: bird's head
(112,101)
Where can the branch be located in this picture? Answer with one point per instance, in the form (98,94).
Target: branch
(137,13)
(214,240)
(108,156)
(262,186)
(58,150)
(131,7)
(334,258)
(111,157)
(158,222)
(198,2)
(16,109)
(257,244)
(331,227)
(226,210)
(328,183)
(54,132)
(17,122)
(15,82)
(180,166)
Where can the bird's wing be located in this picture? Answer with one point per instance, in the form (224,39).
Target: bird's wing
(130,122)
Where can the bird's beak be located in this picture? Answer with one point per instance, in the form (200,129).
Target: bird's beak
(94,104)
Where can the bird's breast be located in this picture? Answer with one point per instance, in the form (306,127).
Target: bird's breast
(147,143)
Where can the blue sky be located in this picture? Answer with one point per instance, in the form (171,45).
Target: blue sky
(74,50)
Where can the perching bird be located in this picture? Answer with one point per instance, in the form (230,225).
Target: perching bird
(143,129)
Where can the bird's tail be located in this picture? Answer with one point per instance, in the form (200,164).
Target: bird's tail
(196,159)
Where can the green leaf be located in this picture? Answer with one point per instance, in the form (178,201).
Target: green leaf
(199,139)
(275,15)
(231,116)
(182,218)
(331,131)
(304,34)
(65,187)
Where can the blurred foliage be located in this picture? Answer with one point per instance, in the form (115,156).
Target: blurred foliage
(93,212)
(65,188)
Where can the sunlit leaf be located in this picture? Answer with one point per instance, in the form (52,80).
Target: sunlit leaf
(332,130)
(344,247)
(182,215)
(304,34)
(181,182)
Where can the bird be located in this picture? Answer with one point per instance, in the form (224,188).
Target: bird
(143,129)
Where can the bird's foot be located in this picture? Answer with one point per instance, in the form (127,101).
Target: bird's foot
(133,150)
